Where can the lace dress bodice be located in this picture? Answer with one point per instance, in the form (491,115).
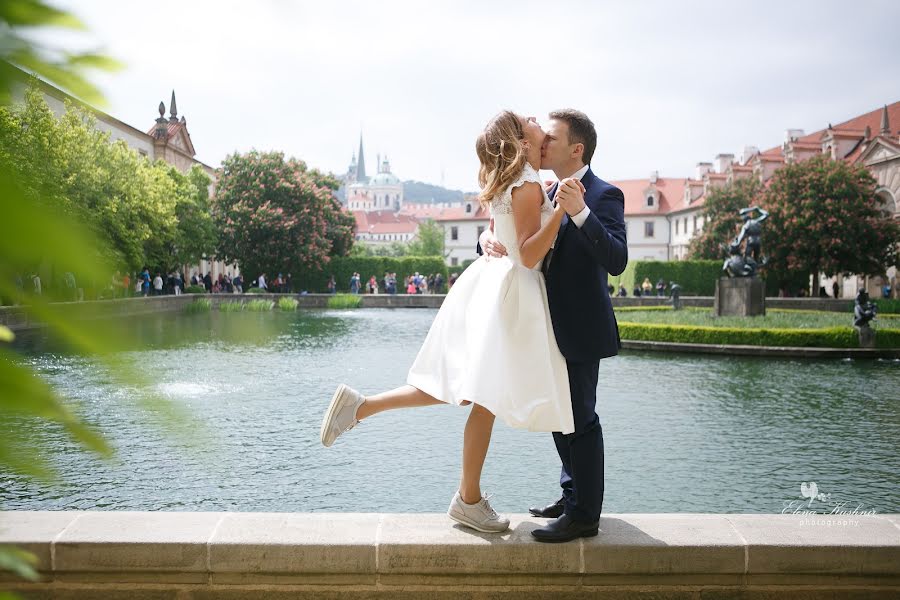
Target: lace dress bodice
(501,211)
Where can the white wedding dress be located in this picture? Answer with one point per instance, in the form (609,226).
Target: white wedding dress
(492,342)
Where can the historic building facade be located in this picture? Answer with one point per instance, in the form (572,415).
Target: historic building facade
(168,139)
(676,205)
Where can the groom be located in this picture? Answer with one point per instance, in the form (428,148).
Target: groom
(590,244)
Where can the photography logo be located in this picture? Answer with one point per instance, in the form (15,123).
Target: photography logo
(818,508)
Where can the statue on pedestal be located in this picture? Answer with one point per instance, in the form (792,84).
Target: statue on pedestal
(863,312)
(675,292)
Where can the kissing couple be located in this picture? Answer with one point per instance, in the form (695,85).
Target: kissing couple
(520,334)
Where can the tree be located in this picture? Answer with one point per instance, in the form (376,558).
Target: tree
(429,240)
(275,215)
(148,212)
(824,218)
(721,221)
(196,236)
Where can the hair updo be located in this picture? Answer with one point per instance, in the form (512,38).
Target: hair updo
(501,153)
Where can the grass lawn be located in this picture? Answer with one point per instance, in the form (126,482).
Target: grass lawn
(774,319)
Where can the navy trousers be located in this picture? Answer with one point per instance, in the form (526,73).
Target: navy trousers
(581,452)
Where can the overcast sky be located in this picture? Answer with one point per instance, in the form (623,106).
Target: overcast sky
(668,83)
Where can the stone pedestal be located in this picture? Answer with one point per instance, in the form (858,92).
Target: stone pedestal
(866,336)
(740,297)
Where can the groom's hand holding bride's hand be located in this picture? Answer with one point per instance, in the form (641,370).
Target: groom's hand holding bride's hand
(490,246)
(570,196)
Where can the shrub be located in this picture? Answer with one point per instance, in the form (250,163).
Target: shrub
(343,268)
(885,305)
(833,337)
(259,305)
(199,305)
(256,290)
(696,277)
(288,303)
(344,301)
(195,289)
(231,306)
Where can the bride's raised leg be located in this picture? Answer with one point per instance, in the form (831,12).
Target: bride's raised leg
(402,397)
(476,439)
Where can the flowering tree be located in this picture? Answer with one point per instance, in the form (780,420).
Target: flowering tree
(721,221)
(274,214)
(824,218)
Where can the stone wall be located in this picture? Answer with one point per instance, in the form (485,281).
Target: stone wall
(17,319)
(186,556)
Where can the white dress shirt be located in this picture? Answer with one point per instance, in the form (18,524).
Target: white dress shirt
(581,217)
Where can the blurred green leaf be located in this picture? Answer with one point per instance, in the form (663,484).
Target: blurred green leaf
(32,13)
(19,562)
(6,335)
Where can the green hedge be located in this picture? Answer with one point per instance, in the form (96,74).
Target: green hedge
(834,337)
(696,277)
(885,306)
(343,268)
(195,289)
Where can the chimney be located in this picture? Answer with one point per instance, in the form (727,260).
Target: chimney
(703,168)
(654,175)
(885,123)
(723,161)
(791,135)
(749,152)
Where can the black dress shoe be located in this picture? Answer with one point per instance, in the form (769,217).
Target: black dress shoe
(565,529)
(551,511)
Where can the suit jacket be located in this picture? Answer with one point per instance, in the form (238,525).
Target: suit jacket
(580,308)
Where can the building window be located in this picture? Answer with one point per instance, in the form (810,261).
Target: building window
(480,230)
(468,208)
(454,261)
(694,219)
(677,223)
(649,201)
(648,229)
(454,233)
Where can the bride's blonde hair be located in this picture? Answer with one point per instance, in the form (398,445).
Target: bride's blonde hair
(502,154)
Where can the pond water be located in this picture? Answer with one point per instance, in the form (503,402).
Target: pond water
(682,433)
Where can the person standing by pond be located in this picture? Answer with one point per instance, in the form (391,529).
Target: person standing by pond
(646,287)
(491,344)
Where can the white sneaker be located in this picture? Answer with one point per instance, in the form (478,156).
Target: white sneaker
(478,516)
(341,414)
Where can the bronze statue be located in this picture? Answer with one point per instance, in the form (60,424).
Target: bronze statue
(864,311)
(675,292)
(746,263)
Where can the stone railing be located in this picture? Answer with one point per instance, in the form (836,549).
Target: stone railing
(18,319)
(184,556)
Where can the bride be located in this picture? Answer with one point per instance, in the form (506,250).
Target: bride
(491,344)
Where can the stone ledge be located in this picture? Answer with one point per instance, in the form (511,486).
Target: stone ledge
(238,555)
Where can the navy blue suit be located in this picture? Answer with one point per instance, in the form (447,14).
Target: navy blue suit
(586,331)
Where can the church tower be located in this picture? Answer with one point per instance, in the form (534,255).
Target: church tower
(361,163)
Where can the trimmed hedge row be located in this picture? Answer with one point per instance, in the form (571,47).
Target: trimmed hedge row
(696,277)
(834,337)
(343,268)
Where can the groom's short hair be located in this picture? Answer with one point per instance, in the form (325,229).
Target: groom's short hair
(581,130)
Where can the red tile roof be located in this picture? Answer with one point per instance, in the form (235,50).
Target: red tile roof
(671,194)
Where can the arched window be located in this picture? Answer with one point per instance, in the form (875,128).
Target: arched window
(650,201)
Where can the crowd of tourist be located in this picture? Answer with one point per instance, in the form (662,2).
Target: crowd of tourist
(389,284)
